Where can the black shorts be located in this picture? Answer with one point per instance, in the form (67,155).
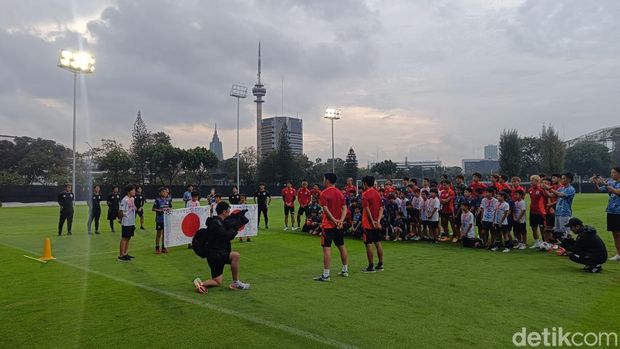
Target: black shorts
(217,261)
(159,226)
(112,214)
(488,226)
(432,224)
(549,221)
(537,220)
(289,209)
(520,228)
(140,213)
(501,228)
(613,222)
(329,235)
(415,217)
(370,236)
(127,231)
(302,210)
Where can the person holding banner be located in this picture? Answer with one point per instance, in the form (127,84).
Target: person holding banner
(162,205)
(334,212)
(219,252)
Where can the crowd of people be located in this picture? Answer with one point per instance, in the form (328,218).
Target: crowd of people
(476,215)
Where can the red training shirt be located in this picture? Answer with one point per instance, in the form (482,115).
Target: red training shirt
(538,200)
(334,200)
(303,196)
(447,195)
(288,195)
(371,199)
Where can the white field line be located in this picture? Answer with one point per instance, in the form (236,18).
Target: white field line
(251,318)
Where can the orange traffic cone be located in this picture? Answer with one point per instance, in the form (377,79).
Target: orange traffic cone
(47,251)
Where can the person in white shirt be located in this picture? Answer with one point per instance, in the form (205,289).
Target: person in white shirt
(487,208)
(468,234)
(127,214)
(423,216)
(500,224)
(518,217)
(433,206)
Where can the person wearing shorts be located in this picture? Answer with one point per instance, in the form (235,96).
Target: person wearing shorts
(127,212)
(612,188)
(288,197)
(161,206)
(304,197)
(563,210)
(334,212)
(371,223)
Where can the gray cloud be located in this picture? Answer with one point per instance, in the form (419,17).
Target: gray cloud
(426,79)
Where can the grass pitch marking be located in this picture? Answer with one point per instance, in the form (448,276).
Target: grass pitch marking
(257,320)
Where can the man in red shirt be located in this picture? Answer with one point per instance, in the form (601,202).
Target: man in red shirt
(334,211)
(446,197)
(303,197)
(288,196)
(538,202)
(316,192)
(476,183)
(350,188)
(372,213)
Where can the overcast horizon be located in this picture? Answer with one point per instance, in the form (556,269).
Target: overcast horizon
(426,80)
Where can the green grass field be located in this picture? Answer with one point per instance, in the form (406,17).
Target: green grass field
(429,296)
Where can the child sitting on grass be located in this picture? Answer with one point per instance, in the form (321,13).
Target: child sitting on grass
(312,224)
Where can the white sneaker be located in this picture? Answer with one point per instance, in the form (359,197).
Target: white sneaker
(285,228)
(615,258)
(238,285)
(536,244)
(506,250)
(522,246)
(494,249)
(294,229)
(343,274)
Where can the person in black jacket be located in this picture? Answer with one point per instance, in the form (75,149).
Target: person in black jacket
(220,232)
(94,209)
(588,248)
(114,201)
(65,201)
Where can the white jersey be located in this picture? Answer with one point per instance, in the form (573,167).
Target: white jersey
(488,207)
(192,203)
(433,203)
(467,225)
(128,207)
(423,204)
(416,202)
(519,207)
(501,209)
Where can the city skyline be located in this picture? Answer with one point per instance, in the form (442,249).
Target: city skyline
(407,89)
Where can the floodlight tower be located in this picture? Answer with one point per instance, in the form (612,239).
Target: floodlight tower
(238,92)
(78,62)
(259,92)
(332,114)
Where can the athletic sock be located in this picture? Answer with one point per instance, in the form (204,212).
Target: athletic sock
(345,268)
(370,266)
(326,273)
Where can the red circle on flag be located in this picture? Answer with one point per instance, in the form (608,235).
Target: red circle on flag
(190,224)
(243,227)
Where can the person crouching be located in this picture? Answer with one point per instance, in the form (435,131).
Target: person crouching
(218,251)
(588,248)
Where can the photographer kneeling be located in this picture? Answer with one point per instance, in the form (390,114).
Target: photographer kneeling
(588,249)
(213,243)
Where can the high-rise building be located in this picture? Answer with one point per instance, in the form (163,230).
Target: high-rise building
(216,146)
(271,129)
(259,92)
(491,152)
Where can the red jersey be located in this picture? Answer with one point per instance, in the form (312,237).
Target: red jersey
(475,185)
(288,195)
(316,193)
(447,208)
(538,200)
(513,190)
(334,200)
(372,200)
(389,189)
(303,196)
(351,189)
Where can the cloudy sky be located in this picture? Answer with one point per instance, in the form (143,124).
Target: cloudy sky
(424,79)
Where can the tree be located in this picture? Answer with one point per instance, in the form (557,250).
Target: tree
(42,160)
(509,152)
(157,141)
(116,163)
(530,156)
(350,165)
(587,159)
(141,139)
(197,162)
(385,168)
(248,166)
(167,162)
(551,151)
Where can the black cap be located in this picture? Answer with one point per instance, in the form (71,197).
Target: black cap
(573,222)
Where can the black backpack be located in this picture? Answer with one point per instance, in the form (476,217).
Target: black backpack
(200,242)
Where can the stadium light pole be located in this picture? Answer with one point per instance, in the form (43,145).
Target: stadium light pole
(238,92)
(332,114)
(77,62)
